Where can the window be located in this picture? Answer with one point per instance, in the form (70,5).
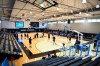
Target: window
(52,22)
(87,20)
(42,4)
(98,20)
(93,20)
(79,21)
(60,22)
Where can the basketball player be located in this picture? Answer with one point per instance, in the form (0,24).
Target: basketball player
(52,33)
(37,34)
(30,41)
(77,43)
(27,36)
(64,51)
(24,34)
(48,36)
(43,34)
(54,40)
(69,37)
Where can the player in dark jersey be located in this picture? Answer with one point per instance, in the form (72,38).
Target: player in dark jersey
(30,41)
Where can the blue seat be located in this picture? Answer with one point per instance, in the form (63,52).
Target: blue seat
(70,62)
(81,62)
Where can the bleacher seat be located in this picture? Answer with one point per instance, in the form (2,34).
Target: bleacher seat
(70,62)
(8,44)
(45,62)
(60,62)
(54,61)
(81,62)
(94,62)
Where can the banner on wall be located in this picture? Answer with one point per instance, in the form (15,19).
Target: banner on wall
(42,24)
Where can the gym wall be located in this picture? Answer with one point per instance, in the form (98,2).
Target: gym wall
(93,27)
(7,24)
(56,26)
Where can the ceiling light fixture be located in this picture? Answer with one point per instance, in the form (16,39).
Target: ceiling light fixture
(87,14)
(97,6)
(84,1)
(57,8)
(42,13)
(71,11)
(80,12)
(30,12)
(42,5)
(54,15)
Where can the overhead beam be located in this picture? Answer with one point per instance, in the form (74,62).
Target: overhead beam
(68,6)
(38,5)
(75,12)
(7,13)
(21,9)
(12,2)
(31,10)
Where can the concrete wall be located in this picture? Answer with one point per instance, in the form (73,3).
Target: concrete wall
(7,24)
(56,26)
(93,27)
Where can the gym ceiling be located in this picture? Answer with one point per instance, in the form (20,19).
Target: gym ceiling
(48,10)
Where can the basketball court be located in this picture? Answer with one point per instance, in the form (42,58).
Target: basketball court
(42,44)
(26,25)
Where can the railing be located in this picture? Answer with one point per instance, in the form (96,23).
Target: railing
(97,49)
(84,50)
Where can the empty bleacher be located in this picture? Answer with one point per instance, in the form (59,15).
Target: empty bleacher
(96,62)
(83,61)
(66,61)
(61,61)
(9,45)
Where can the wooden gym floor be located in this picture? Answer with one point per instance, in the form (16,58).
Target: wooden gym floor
(42,45)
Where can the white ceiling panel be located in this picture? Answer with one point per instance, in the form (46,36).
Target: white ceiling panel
(64,7)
